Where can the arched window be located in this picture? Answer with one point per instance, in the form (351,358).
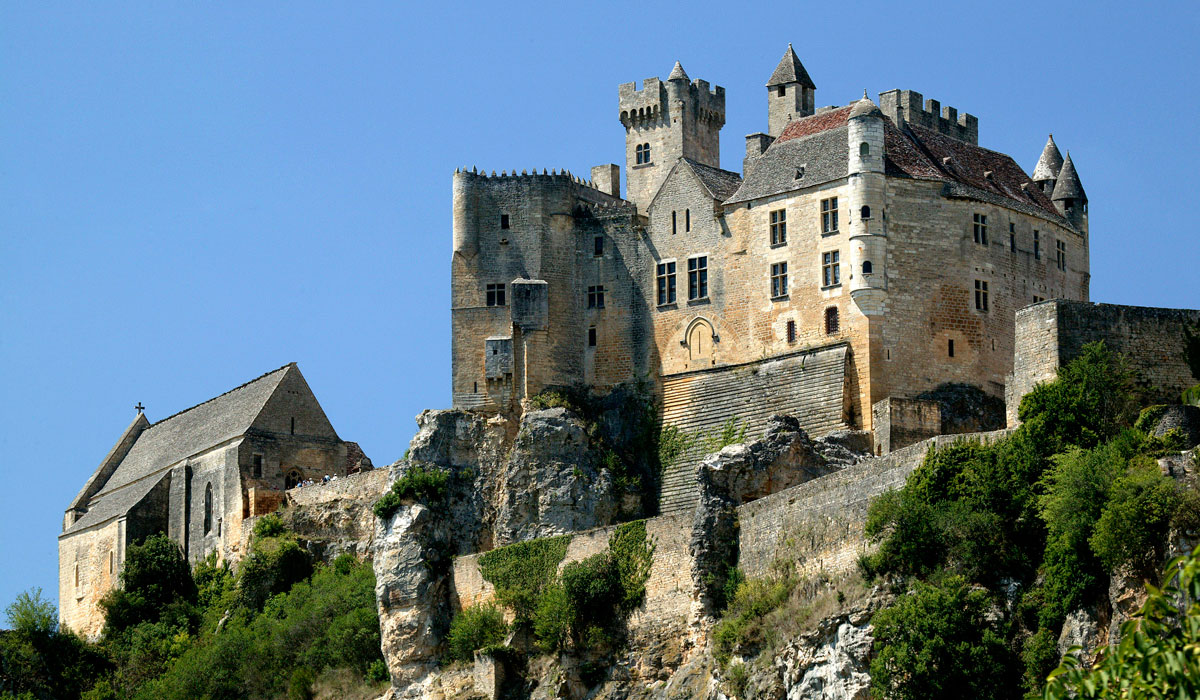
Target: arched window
(865,212)
(208,509)
(292,478)
(700,340)
(864,149)
(867,267)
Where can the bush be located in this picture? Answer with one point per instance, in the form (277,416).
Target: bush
(378,672)
(1090,401)
(156,585)
(1132,528)
(273,566)
(633,555)
(269,525)
(428,486)
(475,628)
(742,629)
(552,619)
(1039,656)
(936,642)
(521,571)
(30,613)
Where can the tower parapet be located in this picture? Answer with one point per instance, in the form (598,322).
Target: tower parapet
(903,106)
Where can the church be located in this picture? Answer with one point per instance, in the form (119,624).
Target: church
(863,270)
(196,476)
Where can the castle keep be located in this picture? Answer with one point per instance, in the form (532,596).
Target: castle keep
(867,257)
(196,476)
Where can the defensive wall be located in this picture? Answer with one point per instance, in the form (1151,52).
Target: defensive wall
(1051,334)
(818,525)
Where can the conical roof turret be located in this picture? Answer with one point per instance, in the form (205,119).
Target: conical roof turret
(1051,162)
(790,70)
(864,107)
(1068,185)
(677,73)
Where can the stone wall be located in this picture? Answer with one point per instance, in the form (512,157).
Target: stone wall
(88,567)
(901,422)
(364,485)
(808,385)
(1051,334)
(818,525)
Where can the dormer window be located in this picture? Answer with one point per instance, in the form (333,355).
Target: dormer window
(800,173)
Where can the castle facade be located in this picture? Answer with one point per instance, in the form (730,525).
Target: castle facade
(866,252)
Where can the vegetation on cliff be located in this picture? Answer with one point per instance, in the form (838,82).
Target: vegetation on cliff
(278,626)
(1028,529)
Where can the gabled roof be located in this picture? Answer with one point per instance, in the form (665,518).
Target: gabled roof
(176,438)
(790,70)
(1050,163)
(721,184)
(816,145)
(1068,185)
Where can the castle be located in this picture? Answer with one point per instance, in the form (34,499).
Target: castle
(867,257)
(199,476)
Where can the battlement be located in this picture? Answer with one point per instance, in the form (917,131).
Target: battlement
(650,104)
(544,176)
(906,106)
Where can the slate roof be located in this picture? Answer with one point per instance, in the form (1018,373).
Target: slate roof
(790,70)
(721,184)
(175,438)
(818,143)
(1068,186)
(677,73)
(1049,163)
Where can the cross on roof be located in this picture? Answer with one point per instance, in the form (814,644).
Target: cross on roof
(139,407)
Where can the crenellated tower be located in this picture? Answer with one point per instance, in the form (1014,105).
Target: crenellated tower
(791,94)
(868,230)
(666,121)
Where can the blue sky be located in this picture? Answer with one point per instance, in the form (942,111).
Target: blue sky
(192,194)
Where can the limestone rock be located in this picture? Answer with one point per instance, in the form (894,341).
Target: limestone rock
(1082,629)
(782,458)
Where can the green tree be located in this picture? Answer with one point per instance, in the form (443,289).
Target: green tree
(937,642)
(156,584)
(1159,652)
(1090,401)
(31,613)
(473,629)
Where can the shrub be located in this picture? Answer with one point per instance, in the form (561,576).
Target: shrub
(936,642)
(633,555)
(428,486)
(731,432)
(593,588)
(552,619)
(274,565)
(521,571)
(156,584)
(1149,417)
(741,628)
(1091,400)
(1039,656)
(475,628)
(269,525)
(378,672)
(1133,525)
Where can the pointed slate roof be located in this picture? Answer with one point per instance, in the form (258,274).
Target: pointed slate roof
(1068,185)
(677,73)
(177,437)
(721,184)
(790,70)
(1050,163)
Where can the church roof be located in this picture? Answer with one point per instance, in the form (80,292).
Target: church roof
(790,70)
(721,184)
(1050,163)
(1068,185)
(176,438)
(817,146)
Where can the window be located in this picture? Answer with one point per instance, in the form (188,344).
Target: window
(495,295)
(781,91)
(1012,237)
(831,320)
(1037,245)
(77,576)
(831,269)
(698,277)
(864,213)
(779,280)
(596,297)
(112,561)
(293,425)
(293,477)
(867,268)
(504,221)
(642,153)
(950,347)
(980,229)
(256,463)
(674,221)
(791,331)
(208,509)
(666,283)
(981,295)
(864,149)
(779,227)
(1037,299)
(1060,252)
(687,220)
(829,215)
(592,337)
(598,246)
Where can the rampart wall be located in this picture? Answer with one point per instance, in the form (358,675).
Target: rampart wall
(1051,334)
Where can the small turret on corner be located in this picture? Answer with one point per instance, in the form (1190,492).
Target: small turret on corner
(791,94)
(1045,174)
(1069,197)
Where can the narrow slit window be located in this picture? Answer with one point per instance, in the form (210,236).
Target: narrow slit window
(687,220)
(592,337)
(867,268)
(674,222)
(950,347)
(504,221)
(256,465)
(864,149)
(1037,244)
(865,213)
(598,246)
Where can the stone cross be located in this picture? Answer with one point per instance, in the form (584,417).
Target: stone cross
(139,407)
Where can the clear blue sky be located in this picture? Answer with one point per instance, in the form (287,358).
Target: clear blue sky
(192,194)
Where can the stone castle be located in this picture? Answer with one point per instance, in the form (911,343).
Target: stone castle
(867,257)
